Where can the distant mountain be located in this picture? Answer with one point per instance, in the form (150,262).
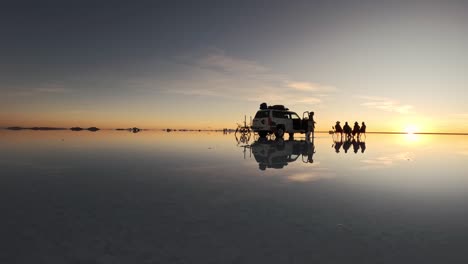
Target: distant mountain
(16,128)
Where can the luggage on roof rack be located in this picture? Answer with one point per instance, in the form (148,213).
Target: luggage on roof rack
(278,107)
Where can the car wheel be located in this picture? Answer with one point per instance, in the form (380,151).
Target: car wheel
(279,132)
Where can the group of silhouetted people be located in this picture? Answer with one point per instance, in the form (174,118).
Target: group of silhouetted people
(350,133)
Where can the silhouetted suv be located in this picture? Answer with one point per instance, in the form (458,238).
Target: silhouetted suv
(278,120)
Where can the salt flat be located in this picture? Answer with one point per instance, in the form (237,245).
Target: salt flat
(203,197)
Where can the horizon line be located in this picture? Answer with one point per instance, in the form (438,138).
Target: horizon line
(233,129)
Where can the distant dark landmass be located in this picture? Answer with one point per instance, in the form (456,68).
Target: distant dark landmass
(134,129)
(92,129)
(15,128)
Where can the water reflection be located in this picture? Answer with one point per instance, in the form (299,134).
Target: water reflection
(277,154)
(357,144)
(243,138)
(189,197)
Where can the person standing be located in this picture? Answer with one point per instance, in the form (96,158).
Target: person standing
(310,126)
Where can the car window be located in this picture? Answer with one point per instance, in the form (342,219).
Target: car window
(278,114)
(294,116)
(261,114)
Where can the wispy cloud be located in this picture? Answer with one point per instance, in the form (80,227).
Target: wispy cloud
(23,93)
(53,90)
(310,87)
(385,104)
(219,75)
(232,65)
(42,89)
(309,100)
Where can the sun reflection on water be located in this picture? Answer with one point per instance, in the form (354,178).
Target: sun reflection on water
(412,138)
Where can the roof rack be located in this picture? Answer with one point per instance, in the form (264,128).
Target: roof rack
(278,107)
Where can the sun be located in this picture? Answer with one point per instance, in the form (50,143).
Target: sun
(411,129)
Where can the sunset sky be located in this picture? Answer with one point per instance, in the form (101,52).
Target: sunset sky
(397,65)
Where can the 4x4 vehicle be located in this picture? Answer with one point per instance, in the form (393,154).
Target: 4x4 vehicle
(278,120)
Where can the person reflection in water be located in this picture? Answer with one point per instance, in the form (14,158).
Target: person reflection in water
(355,145)
(310,151)
(346,145)
(363,146)
(337,145)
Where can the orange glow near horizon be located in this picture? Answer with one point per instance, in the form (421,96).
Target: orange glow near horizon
(215,122)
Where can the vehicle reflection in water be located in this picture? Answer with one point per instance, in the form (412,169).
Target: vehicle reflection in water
(277,154)
(357,144)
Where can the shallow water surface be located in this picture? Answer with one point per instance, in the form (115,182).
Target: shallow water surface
(199,197)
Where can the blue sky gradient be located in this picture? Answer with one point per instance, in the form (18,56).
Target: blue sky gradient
(205,64)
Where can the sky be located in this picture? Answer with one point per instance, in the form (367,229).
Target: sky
(397,65)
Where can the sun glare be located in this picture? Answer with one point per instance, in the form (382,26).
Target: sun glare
(411,129)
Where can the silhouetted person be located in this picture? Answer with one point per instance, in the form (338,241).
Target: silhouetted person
(347,130)
(356,129)
(311,122)
(355,145)
(347,144)
(311,118)
(338,128)
(363,128)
